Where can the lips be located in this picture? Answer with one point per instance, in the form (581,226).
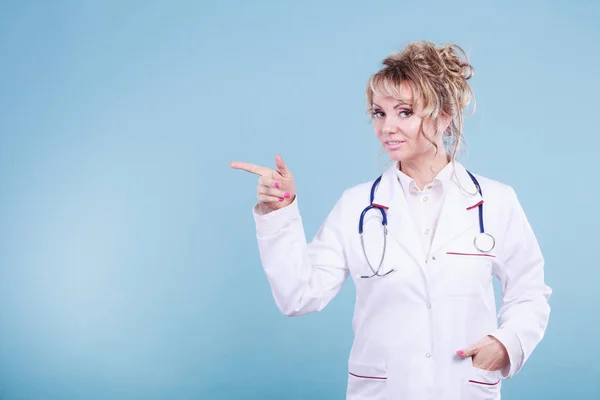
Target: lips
(394,144)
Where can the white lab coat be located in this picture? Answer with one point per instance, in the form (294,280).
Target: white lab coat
(409,324)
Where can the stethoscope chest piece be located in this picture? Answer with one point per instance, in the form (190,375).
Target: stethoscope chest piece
(484,242)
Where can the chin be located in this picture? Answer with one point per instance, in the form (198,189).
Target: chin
(398,155)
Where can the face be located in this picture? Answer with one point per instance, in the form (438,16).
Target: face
(397,124)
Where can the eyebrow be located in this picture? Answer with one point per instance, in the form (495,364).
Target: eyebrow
(400,103)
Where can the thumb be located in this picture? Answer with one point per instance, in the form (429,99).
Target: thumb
(282,167)
(468,352)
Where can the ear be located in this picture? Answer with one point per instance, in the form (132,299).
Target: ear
(443,122)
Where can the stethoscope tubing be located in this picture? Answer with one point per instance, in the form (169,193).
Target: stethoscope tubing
(479,246)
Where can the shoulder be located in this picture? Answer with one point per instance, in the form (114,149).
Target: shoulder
(355,197)
(360,188)
(493,187)
(496,193)
(358,193)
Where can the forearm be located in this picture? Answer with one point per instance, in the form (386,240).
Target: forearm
(303,276)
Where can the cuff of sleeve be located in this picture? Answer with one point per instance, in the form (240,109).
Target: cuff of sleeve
(513,347)
(273,222)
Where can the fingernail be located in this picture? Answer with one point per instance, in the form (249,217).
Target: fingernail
(460,353)
(277,185)
(287,195)
(281,199)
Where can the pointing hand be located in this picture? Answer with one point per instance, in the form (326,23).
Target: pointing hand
(276,187)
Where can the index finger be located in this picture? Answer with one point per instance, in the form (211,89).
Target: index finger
(255,169)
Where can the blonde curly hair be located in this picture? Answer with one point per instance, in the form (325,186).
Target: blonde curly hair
(438,76)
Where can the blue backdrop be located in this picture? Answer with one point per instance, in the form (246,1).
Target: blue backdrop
(128,262)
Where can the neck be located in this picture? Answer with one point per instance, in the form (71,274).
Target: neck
(423,170)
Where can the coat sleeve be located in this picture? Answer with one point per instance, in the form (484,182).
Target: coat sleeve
(524,313)
(304,277)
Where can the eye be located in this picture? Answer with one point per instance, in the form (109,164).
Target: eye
(405,113)
(377,113)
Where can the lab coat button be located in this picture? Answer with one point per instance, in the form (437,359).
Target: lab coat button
(433,258)
(428,355)
(425,198)
(428,305)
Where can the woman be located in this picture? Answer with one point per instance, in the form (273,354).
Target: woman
(425,320)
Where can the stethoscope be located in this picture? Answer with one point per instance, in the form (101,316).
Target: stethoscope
(483,242)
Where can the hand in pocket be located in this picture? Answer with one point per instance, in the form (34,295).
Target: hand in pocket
(488,354)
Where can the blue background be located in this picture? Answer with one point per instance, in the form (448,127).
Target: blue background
(128,262)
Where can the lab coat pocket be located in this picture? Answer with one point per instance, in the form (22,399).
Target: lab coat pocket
(366,382)
(483,384)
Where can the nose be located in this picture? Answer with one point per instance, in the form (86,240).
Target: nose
(389,127)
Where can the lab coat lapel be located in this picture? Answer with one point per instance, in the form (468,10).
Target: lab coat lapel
(389,195)
(459,210)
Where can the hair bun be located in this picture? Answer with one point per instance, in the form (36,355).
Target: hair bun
(454,64)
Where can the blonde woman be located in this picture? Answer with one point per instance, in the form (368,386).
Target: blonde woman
(421,243)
